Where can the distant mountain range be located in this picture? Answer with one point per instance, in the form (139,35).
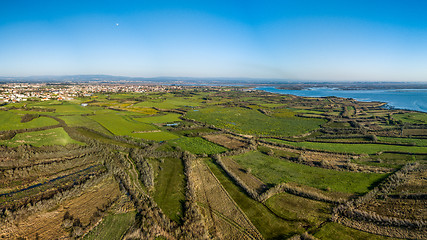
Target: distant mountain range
(280,83)
(110,78)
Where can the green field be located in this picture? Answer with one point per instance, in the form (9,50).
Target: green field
(292,207)
(270,225)
(167,118)
(248,121)
(353,148)
(274,170)
(56,136)
(64,108)
(308,111)
(277,152)
(84,121)
(11,120)
(112,227)
(417,118)
(197,145)
(284,113)
(269,105)
(169,188)
(102,138)
(158,136)
(122,124)
(335,231)
(194,131)
(391,160)
(415,141)
(67,108)
(169,103)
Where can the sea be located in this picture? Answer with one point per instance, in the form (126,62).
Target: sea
(410,99)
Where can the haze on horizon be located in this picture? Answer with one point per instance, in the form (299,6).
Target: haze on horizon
(302,40)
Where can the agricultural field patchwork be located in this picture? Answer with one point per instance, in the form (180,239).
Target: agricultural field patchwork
(269,224)
(354,148)
(248,121)
(199,162)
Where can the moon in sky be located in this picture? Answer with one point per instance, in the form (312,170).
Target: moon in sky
(117,24)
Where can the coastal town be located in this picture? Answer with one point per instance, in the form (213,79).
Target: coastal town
(21,92)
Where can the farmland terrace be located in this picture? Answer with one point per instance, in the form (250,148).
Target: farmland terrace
(210,163)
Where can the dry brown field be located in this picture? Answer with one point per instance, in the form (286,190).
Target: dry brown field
(407,201)
(249,179)
(225,140)
(48,224)
(414,132)
(223,217)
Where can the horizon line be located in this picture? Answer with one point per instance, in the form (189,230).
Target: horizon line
(213,78)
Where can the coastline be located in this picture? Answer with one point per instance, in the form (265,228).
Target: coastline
(398,99)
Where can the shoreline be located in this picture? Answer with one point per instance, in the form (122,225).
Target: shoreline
(387,104)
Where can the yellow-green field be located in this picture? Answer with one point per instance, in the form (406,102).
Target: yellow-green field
(55,136)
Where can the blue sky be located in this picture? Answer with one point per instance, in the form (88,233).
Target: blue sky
(300,39)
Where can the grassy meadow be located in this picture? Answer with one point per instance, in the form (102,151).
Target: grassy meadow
(55,136)
(112,227)
(420,142)
(169,188)
(10,120)
(417,118)
(274,170)
(122,124)
(353,148)
(270,225)
(84,121)
(292,207)
(170,102)
(248,121)
(197,145)
(335,231)
(166,118)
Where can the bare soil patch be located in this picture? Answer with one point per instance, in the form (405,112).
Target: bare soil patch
(225,140)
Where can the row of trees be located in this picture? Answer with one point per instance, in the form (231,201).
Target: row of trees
(25,155)
(193,222)
(150,221)
(48,201)
(146,171)
(41,170)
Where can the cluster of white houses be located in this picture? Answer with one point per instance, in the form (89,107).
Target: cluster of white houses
(19,92)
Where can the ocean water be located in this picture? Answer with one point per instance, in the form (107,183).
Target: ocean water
(412,99)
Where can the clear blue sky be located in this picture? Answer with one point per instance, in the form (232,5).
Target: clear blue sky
(299,39)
